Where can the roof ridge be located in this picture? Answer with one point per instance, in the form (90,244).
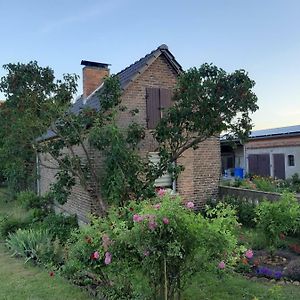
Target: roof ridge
(161,47)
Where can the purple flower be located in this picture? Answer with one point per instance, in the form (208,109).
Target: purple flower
(249,254)
(190,205)
(152,225)
(221,265)
(278,274)
(166,220)
(107,259)
(146,253)
(137,218)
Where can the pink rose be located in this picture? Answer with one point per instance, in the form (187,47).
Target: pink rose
(166,220)
(152,225)
(107,259)
(190,205)
(249,254)
(137,218)
(161,192)
(156,206)
(221,265)
(146,253)
(95,255)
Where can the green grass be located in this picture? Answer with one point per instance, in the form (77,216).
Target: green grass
(24,281)
(210,287)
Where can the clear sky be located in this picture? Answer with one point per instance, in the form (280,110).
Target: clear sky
(260,36)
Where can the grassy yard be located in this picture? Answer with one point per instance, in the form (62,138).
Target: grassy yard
(19,281)
(25,281)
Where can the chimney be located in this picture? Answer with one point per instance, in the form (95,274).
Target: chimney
(93,75)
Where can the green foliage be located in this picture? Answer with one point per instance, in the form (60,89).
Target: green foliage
(245,210)
(58,225)
(151,244)
(293,183)
(29,243)
(39,206)
(277,217)
(10,225)
(33,101)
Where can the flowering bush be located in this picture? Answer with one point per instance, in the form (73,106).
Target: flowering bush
(150,248)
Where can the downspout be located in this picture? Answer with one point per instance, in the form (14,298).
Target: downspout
(38,182)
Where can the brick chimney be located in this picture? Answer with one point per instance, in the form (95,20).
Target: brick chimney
(93,75)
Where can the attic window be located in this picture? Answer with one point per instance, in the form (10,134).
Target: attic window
(157,100)
(291,160)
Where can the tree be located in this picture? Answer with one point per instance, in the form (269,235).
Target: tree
(33,101)
(207,101)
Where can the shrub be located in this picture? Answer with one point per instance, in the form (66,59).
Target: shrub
(59,225)
(10,225)
(245,210)
(29,243)
(281,216)
(40,206)
(150,248)
(265,184)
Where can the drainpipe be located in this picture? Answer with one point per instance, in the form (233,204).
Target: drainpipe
(38,188)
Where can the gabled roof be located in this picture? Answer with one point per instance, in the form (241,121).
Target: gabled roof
(126,77)
(131,73)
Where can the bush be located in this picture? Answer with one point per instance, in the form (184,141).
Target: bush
(245,210)
(150,248)
(59,225)
(281,216)
(40,206)
(10,225)
(29,243)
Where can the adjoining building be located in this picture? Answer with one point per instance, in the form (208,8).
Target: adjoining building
(270,152)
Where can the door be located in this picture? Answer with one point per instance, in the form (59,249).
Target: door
(259,164)
(279,166)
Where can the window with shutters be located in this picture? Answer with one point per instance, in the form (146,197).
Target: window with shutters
(157,101)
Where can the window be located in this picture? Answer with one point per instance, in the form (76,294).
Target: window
(291,160)
(157,100)
(165,181)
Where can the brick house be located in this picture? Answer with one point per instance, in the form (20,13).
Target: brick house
(146,85)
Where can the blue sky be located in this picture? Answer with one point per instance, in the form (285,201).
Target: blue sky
(260,36)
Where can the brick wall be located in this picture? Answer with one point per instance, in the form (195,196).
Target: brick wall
(200,179)
(274,142)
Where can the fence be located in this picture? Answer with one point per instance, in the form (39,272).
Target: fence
(250,195)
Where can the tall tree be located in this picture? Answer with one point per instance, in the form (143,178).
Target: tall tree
(33,100)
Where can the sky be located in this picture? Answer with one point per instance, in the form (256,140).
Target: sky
(260,36)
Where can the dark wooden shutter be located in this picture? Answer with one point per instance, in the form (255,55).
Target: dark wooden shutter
(279,166)
(252,164)
(153,107)
(165,99)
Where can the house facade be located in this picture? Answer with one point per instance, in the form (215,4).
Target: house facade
(272,152)
(147,85)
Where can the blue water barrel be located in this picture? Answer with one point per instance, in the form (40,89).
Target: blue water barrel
(239,172)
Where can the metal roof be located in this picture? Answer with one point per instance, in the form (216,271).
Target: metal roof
(126,76)
(289,130)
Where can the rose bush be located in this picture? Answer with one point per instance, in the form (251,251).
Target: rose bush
(151,248)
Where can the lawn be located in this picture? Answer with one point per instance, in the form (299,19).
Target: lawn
(26,281)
